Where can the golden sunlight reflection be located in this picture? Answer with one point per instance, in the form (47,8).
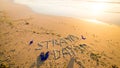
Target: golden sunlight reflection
(94,21)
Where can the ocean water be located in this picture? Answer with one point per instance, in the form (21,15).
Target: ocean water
(102,10)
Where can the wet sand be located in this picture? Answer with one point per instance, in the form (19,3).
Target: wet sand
(93,45)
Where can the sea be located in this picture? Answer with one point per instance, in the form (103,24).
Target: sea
(107,11)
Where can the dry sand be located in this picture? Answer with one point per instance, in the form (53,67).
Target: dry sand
(19,25)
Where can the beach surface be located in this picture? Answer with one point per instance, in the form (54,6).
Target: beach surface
(70,41)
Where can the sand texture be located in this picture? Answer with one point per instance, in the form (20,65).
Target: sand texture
(79,43)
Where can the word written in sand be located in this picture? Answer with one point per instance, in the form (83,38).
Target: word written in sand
(59,42)
(66,46)
(69,50)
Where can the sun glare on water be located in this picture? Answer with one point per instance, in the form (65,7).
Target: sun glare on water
(97,8)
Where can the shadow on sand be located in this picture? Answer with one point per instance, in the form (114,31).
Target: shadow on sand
(71,63)
(38,63)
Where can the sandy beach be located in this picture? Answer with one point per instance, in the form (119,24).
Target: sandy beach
(85,43)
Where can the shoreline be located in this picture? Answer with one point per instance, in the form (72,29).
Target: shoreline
(105,17)
(33,13)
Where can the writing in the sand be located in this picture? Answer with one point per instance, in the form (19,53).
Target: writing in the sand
(65,45)
(58,42)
